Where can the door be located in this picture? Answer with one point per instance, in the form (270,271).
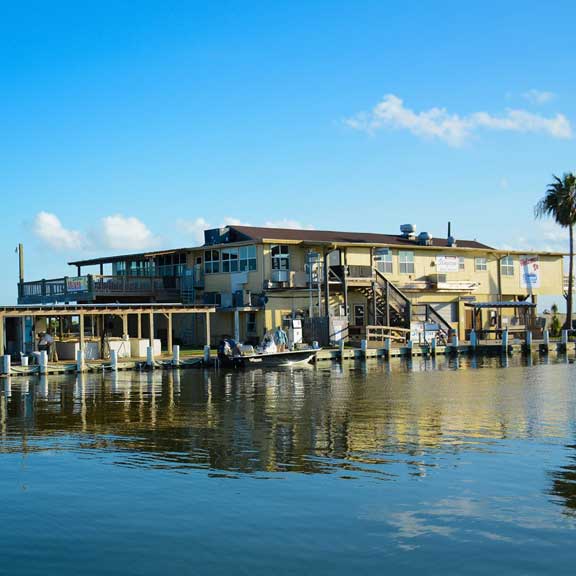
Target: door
(359,315)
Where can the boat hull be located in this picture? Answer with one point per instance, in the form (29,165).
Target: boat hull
(276,359)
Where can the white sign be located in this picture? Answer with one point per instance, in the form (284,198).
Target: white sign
(447,264)
(529,272)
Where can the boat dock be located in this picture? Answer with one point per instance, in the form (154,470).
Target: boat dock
(208,359)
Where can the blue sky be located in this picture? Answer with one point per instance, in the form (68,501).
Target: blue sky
(128,125)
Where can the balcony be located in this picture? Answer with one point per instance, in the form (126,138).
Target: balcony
(93,288)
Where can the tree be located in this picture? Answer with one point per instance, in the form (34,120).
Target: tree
(559,203)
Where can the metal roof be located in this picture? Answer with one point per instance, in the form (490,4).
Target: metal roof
(335,237)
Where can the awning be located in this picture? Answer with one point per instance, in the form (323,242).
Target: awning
(524,304)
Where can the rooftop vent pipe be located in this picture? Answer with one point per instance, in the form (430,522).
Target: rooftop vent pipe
(451,240)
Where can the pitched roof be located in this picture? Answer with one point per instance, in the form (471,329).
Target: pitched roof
(259,234)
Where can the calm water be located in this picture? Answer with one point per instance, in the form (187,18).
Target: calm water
(412,469)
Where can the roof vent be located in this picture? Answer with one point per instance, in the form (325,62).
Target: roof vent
(425,239)
(408,230)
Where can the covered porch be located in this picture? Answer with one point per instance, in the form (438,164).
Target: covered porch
(97,329)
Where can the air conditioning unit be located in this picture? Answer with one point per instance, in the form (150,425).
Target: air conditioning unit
(227,300)
(280,276)
(438,279)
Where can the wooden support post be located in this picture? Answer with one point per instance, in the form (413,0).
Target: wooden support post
(374,307)
(1,335)
(237,325)
(81,323)
(169,334)
(139,326)
(207,328)
(326,285)
(388,304)
(125,326)
(151,324)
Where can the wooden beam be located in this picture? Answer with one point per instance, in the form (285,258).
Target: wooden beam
(81,322)
(1,335)
(207,316)
(326,284)
(169,334)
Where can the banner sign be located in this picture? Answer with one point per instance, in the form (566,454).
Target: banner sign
(447,264)
(77,284)
(529,272)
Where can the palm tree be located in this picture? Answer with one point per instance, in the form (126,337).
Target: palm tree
(559,203)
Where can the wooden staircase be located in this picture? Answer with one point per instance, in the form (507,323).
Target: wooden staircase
(390,307)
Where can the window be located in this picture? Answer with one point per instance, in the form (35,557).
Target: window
(211,261)
(507,266)
(480,264)
(280,257)
(461,263)
(406,261)
(171,264)
(229,258)
(247,258)
(383,260)
(251,323)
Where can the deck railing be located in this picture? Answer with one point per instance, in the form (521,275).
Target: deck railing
(89,288)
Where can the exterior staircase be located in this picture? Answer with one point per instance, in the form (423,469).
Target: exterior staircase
(390,307)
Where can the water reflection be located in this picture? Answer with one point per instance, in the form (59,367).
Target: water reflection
(564,482)
(354,418)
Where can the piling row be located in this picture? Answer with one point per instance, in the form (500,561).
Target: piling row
(410,349)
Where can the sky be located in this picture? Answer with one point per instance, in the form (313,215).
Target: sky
(127,126)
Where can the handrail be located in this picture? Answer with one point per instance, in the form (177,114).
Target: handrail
(440,320)
(402,301)
(392,286)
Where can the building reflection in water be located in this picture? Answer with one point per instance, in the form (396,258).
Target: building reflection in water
(315,420)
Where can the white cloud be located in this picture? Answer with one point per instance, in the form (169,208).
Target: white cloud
(230,221)
(194,228)
(538,96)
(49,229)
(287,223)
(543,236)
(454,129)
(116,232)
(120,232)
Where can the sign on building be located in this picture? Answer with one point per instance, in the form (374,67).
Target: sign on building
(529,272)
(446,264)
(77,284)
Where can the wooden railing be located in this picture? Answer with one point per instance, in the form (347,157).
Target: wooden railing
(395,297)
(88,288)
(376,336)
(425,313)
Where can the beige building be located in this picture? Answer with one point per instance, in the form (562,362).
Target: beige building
(261,277)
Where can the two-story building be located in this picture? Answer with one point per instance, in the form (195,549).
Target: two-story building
(260,277)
